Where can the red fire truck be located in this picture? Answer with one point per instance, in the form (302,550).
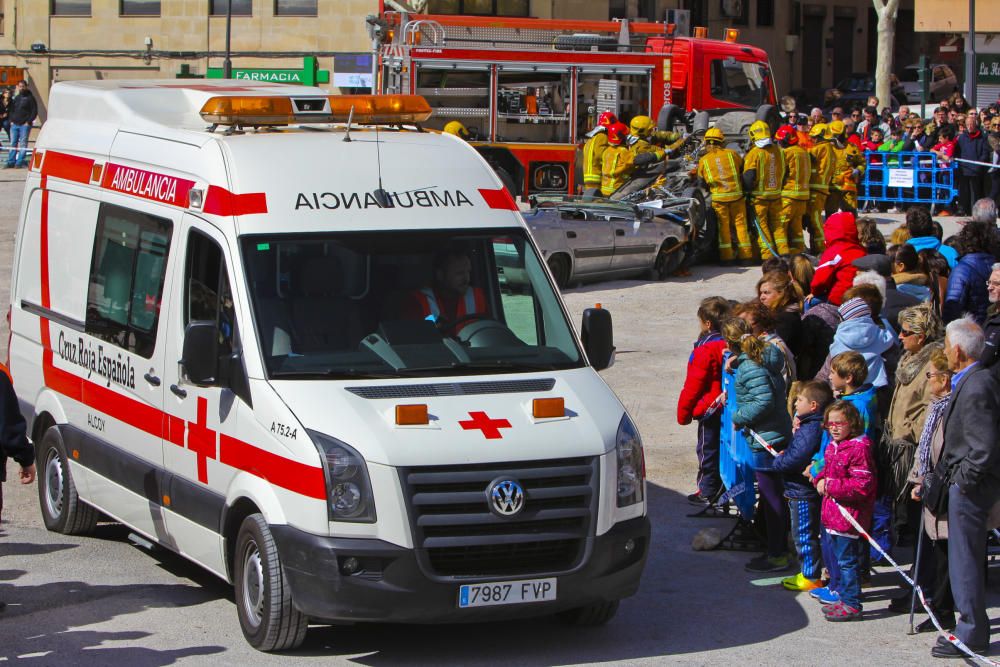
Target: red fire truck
(528,90)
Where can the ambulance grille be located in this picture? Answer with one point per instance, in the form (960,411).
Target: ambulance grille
(397,391)
(456,534)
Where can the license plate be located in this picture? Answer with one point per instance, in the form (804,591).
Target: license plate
(506,592)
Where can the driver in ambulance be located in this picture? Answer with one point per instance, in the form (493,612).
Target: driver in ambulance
(453,296)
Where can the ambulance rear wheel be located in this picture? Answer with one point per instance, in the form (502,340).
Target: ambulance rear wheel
(263,599)
(62,510)
(592,615)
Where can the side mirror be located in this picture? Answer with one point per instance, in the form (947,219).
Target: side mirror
(598,340)
(646,214)
(200,360)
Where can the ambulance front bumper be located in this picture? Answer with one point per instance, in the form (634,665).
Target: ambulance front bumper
(391,586)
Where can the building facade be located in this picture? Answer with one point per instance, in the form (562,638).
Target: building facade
(812,45)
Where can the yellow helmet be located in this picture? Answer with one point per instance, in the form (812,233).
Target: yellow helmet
(456,128)
(759,131)
(641,126)
(819,130)
(836,128)
(714,135)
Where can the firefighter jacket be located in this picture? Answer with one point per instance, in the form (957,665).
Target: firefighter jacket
(720,168)
(849,158)
(618,163)
(797,174)
(769,165)
(593,151)
(640,146)
(823,160)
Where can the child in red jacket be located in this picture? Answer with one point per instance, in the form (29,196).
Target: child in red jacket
(700,396)
(835,273)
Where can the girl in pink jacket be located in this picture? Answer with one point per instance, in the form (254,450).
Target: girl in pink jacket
(848,481)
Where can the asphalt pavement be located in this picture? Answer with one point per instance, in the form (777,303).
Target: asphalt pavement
(103,601)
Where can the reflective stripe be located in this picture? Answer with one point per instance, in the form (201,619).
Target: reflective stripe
(473,302)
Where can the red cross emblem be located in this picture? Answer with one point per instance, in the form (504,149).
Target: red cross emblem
(202,440)
(489,427)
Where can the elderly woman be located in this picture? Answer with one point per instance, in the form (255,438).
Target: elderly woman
(921,333)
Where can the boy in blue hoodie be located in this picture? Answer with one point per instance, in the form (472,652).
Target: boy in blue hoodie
(848,379)
(803,500)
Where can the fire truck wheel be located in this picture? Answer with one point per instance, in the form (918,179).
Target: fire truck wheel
(263,600)
(559,266)
(62,510)
(670,115)
(592,615)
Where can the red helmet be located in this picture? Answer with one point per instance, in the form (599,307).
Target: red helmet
(786,134)
(617,133)
(607,119)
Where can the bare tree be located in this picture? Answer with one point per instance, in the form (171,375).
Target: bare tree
(886,10)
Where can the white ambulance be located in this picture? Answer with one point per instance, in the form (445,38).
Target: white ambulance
(314,349)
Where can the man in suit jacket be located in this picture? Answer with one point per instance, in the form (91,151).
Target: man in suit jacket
(971,458)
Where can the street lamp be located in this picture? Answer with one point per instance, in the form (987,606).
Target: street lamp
(970,57)
(227,65)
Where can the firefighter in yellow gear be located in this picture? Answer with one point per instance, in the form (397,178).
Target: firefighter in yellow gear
(847,171)
(593,153)
(456,128)
(823,160)
(763,176)
(795,190)
(617,162)
(720,170)
(645,138)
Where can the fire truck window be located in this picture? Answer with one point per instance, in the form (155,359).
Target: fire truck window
(126,278)
(624,94)
(462,95)
(533,107)
(739,83)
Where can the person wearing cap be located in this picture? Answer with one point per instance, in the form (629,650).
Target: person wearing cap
(893,301)
(593,152)
(802,130)
(847,170)
(618,162)
(719,169)
(795,189)
(822,161)
(763,176)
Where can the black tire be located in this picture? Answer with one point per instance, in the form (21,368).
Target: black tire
(670,115)
(769,114)
(584,43)
(701,122)
(703,246)
(559,266)
(668,260)
(263,599)
(591,615)
(62,510)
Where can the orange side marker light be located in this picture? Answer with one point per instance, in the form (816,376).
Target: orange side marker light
(548,408)
(412,415)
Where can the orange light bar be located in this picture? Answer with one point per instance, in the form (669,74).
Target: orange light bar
(248,111)
(732,35)
(547,408)
(375,109)
(95,173)
(701,32)
(411,415)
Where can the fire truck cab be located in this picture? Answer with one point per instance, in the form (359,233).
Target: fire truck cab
(528,90)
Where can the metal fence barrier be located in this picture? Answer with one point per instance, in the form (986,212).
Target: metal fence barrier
(910,177)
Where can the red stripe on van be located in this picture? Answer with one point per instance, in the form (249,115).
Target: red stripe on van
(220,201)
(67,167)
(287,474)
(499,199)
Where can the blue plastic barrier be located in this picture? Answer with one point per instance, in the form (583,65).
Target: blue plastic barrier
(911,177)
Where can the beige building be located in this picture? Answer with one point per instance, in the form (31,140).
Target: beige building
(812,45)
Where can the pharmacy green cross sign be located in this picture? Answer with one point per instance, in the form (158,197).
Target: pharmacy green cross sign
(309,75)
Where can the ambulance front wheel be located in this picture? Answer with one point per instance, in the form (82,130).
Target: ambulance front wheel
(263,598)
(62,510)
(591,615)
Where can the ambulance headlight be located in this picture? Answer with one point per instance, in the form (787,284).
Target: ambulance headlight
(348,489)
(631,463)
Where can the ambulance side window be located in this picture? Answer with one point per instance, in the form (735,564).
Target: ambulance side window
(206,288)
(126,278)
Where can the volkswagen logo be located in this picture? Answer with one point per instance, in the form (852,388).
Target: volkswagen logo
(505,497)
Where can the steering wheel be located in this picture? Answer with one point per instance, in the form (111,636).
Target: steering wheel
(446,327)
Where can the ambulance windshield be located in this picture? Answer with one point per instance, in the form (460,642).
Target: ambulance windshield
(404,304)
